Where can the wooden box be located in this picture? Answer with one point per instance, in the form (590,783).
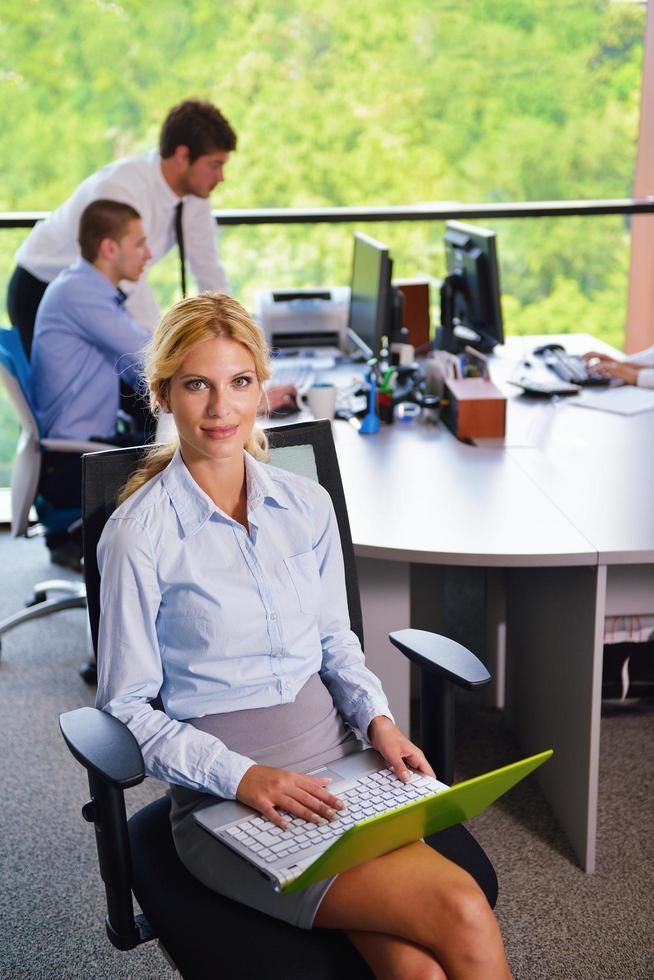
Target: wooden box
(475,408)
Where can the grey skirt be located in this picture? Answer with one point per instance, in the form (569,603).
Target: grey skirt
(302,735)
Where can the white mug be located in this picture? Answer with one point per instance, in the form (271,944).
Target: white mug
(319,399)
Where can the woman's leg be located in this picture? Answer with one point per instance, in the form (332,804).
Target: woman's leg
(389,957)
(417,895)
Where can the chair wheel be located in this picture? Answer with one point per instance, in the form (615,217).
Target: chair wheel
(36,599)
(89,672)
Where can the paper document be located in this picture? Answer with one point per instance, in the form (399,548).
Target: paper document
(625,400)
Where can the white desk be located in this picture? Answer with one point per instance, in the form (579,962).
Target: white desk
(555,516)
(565,501)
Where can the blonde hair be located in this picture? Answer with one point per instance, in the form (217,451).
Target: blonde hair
(186,324)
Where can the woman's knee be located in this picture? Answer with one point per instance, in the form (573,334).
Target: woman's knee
(469,906)
(470,923)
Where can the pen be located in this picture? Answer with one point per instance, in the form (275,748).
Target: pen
(385,383)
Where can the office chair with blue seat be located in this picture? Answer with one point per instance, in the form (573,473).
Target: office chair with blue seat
(14,371)
(138,858)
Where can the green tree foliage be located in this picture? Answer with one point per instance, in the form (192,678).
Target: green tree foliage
(338,104)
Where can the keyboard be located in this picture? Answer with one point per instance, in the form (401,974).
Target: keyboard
(301,374)
(368,796)
(545,387)
(573,369)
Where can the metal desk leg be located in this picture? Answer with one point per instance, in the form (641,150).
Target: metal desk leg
(495,658)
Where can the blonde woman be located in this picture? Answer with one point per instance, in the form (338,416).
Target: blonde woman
(223,593)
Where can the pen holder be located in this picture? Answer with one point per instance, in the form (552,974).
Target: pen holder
(385,406)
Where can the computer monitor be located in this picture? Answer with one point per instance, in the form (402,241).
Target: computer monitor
(375,306)
(471,310)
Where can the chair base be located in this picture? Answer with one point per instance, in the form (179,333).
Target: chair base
(39,605)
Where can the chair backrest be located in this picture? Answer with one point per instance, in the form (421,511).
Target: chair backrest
(105,473)
(15,373)
(14,360)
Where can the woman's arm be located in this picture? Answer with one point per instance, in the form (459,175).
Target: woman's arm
(356,691)
(130,669)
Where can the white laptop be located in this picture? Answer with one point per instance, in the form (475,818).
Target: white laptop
(381,813)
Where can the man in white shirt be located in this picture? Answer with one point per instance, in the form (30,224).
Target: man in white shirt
(194,146)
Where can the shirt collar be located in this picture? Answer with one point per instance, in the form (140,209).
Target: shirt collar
(194,507)
(261,486)
(89,271)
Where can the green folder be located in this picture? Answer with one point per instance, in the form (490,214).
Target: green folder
(420,818)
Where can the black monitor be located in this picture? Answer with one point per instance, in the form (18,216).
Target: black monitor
(375,306)
(471,310)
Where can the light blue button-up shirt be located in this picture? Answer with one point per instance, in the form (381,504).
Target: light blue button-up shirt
(84,342)
(214,619)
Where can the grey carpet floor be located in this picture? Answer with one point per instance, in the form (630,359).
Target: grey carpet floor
(558,923)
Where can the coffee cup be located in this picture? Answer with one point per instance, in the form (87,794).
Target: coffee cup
(319,399)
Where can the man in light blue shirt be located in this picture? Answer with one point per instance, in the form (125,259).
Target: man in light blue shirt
(85,341)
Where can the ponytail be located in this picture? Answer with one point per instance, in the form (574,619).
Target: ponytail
(155,460)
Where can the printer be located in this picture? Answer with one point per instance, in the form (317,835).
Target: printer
(303,318)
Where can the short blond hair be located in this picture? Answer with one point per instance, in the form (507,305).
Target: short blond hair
(186,324)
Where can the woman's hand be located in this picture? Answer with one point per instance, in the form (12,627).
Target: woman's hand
(626,371)
(282,396)
(265,788)
(396,748)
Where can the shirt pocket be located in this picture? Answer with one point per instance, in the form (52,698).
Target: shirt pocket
(303,571)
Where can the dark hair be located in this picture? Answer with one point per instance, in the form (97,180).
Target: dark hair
(103,219)
(198,125)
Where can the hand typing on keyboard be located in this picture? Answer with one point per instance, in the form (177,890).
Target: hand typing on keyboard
(626,371)
(397,749)
(268,790)
(379,792)
(282,399)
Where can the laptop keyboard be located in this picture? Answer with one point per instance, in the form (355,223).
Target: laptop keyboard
(379,792)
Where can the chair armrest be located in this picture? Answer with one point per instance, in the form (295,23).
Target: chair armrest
(104,746)
(113,761)
(74,445)
(440,655)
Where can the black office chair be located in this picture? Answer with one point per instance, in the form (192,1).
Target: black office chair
(138,857)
